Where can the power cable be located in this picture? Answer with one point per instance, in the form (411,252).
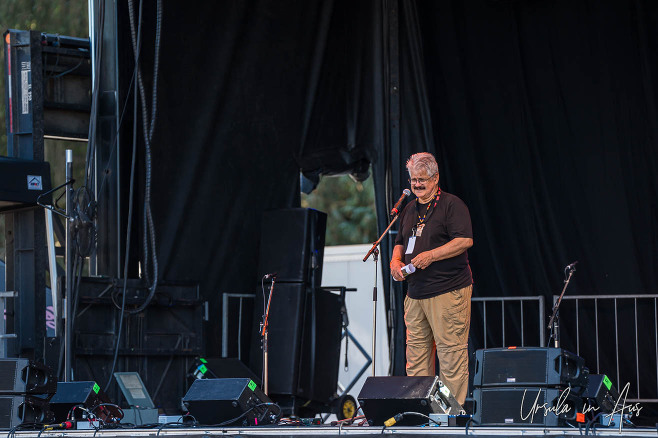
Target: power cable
(148,128)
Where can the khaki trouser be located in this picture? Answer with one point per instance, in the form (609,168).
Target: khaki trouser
(442,322)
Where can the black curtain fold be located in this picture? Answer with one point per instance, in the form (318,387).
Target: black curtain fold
(250,94)
(409,118)
(343,113)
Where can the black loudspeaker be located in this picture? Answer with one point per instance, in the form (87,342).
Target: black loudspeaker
(320,355)
(601,393)
(22,182)
(87,394)
(217,401)
(383,397)
(304,334)
(507,406)
(285,329)
(17,409)
(292,245)
(529,366)
(22,376)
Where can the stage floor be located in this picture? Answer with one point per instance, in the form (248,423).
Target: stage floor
(335,431)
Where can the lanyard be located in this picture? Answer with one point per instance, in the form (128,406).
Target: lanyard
(421,220)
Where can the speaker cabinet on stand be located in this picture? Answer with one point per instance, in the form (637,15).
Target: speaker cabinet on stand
(305,320)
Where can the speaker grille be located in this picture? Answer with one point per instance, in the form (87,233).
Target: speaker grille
(504,406)
(528,367)
(515,406)
(6,412)
(7,374)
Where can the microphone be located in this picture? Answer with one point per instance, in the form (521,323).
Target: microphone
(268,276)
(571,266)
(64,425)
(396,208)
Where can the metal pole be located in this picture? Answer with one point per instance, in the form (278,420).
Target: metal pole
(69,269)
(52,267)
(375,257)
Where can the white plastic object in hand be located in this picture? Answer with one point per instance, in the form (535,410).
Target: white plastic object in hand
(408,270)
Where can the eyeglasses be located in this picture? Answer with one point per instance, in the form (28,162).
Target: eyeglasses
(420,180)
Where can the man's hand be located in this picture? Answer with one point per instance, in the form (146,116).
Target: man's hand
(396,266)
(451,249)
(423,260)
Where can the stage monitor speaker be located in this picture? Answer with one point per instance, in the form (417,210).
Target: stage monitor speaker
(523,406)
(22,376)
(87,394)
(383,397)
(601,392)
(529,366)
(292,245)
(18,409)
(218,401)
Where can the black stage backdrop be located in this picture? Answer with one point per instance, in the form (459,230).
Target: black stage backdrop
(542,115)
(250,92)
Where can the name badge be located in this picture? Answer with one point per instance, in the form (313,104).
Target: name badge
(411,244)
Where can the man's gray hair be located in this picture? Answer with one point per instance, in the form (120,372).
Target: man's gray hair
(423,161)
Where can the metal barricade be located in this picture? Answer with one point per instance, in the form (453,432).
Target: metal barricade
(481,309)
(631,321)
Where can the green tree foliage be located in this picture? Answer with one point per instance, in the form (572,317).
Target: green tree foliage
(64,17)
(350,208)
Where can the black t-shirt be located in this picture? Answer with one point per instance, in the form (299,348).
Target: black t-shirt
(449,219)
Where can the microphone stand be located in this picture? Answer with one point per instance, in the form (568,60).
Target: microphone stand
(553,324)
(375,252)
(264,327)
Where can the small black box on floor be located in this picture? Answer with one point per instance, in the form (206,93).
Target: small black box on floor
(219,401)
(19,409)
(601,393)
(529,366)
(523,406)
(22,376)
(86,394)
(383,397)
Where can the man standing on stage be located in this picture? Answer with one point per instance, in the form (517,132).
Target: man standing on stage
(435,232)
